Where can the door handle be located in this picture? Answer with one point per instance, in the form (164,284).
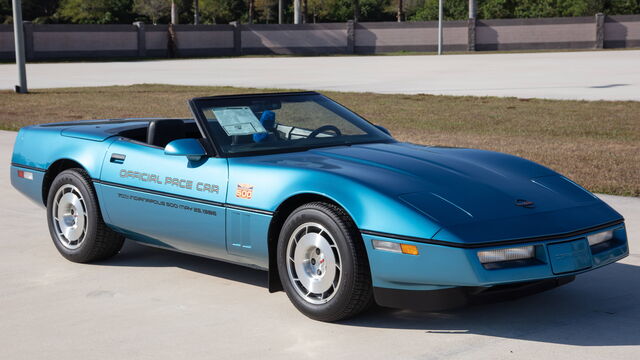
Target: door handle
(118,158)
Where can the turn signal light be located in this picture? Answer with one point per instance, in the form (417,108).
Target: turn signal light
(395,247)
(409,249)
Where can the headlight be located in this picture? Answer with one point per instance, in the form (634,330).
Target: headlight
(517,253)
(600,237)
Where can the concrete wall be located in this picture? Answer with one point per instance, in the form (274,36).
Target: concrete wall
(79,41)
(409,36)
(6,42)
(155,39)
(294,39)
(201,40)
(550,33)
(114,41)
(622,31)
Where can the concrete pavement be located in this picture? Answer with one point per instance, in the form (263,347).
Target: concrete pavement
(584,75)
(148,303)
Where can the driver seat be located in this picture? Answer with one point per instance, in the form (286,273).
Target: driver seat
(163,131)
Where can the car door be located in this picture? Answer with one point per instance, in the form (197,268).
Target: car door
(165,200)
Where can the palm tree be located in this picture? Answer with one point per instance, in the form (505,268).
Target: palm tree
(472,9)
(304,11)
(196,12)
(356,10)
(251,10)
(174,12)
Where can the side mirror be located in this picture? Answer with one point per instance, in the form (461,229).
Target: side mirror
(383,129)
(191,148)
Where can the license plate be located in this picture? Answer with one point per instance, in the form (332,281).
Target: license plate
(570,256)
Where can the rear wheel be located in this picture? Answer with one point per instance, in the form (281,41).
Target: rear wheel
(75,222)
(323,264)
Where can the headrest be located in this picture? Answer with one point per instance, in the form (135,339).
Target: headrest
(161,132)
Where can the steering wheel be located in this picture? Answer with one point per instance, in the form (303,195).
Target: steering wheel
(324,128)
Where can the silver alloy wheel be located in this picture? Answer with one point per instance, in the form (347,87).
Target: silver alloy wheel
(69,214)
(313,263)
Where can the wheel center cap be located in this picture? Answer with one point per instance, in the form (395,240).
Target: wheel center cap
(70,220)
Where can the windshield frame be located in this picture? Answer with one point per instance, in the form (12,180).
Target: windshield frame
(198,104)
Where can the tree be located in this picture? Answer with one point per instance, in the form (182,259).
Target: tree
(196,12)
(174,13)
(356,10)
(377,10)
(221,11)
(39,11)
(95,11)
(224,11)
(5,11)
(343,10)
(623,7)
(265,10)
(153,9)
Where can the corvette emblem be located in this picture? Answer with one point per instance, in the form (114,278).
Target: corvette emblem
(525,203)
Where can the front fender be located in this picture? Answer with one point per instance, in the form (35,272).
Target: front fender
(369,208)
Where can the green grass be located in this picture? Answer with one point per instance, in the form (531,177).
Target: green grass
(596,143)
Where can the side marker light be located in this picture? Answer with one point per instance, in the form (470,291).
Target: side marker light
(25,174)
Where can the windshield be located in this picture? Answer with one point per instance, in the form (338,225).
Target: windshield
(288,122)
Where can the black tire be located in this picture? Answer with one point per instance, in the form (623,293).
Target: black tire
(97,242)
(353,294)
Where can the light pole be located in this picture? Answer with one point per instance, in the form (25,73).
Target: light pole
(18,35)
(440,5)
(279,11)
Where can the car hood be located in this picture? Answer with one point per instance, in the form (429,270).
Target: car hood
(455,185)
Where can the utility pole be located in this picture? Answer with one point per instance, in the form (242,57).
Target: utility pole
(280,11)
(18,34)
(472,9)
(196,12)
(440,6)
(400,10)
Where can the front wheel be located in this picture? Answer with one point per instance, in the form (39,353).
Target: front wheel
(323,264)
(75,221)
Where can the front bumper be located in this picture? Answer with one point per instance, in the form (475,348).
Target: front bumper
(454,297)
(451,270)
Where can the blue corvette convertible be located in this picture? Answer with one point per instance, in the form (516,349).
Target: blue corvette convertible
(339,213)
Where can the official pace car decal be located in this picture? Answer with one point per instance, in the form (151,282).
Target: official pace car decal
(244,191)
(170,181)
